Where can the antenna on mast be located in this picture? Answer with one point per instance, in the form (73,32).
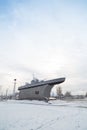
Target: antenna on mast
(33,76)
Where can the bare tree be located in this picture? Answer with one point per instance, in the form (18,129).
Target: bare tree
(59,91)
(0,90)
(68,94)
(1,95)
(6,93)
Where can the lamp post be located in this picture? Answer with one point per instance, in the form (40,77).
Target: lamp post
(14,88)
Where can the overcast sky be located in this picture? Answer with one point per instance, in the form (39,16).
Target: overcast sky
(47,38)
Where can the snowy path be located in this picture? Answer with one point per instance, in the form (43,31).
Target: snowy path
(25,115)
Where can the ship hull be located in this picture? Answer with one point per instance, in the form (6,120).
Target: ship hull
(40,91)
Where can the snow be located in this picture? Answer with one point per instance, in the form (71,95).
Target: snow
(38,115)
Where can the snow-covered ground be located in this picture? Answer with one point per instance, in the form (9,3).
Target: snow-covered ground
(38,115)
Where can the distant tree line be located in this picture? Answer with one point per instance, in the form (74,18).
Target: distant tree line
(67,94)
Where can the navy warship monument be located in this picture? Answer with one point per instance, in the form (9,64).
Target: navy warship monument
(38,90)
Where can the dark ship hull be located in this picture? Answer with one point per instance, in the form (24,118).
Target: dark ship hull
(38,90)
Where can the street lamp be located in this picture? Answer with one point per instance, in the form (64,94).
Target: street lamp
(14,87)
